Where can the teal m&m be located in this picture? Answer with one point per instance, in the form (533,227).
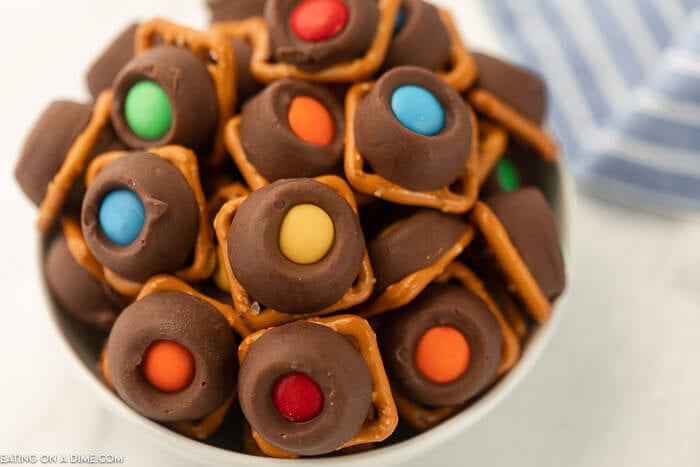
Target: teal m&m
(418,109)
(121,216)
(399,21)
(147,110)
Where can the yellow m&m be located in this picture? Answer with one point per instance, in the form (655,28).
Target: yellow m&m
(306,234)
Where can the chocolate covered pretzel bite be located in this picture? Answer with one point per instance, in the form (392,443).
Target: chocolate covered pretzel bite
(330,41)
(515,98)
(179,89)
(294,249)
(291,129)
(76,280)
(521,233)
(172,357)
(409,254)
(418,137)
(315,386)
(444,53)
(138,225)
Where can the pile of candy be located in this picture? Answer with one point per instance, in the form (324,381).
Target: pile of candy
(242,208)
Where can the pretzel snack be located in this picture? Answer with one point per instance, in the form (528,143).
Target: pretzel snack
(373,184)
(360,334)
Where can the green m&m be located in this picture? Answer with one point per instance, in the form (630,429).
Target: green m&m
(507,175)
(147,110)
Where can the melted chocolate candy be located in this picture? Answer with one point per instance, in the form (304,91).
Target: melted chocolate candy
(79,293)
(521,89)
(410,159)
(349,43)
(48,143)
(530,224)
(272,279)
(190,322)
(409,46)
(442,305)
(331,362)
(234,10)
(169,227)
(272,146)
(246,83)
(102,72)
(180,81)
(415,243)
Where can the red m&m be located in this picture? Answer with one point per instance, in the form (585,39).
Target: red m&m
(297,398)
(319,20)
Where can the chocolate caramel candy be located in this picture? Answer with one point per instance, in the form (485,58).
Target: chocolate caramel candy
(79,293)
(165,96)
(304,388)
(414,129)
(420,38)
(295,246)
(315,34)
(517,87)
(443,348)
(172,357)
(293,129)
(47,145)
(140,217)
(411,244)
(234,10)
(531,227)
(246,84)
(106,67)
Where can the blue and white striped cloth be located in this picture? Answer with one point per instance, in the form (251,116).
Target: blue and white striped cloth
(624,83)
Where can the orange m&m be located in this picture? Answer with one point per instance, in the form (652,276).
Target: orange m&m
(442,354)
(311,121)
(168,366)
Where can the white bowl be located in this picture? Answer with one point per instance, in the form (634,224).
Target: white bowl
(82,348)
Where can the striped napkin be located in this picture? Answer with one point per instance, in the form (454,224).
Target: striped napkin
(624,83)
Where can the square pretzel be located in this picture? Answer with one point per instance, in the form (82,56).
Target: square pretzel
(265,70)
(59,188)
(493,141)
(374,184)
(511,263)
(360,334)
(408,288)
(220,59)
(255,318)
(204,258)
(531,134)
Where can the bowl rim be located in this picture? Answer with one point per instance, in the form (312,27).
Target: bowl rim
(203,453)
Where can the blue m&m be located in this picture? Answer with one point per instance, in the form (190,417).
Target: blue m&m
(418,109)
(121,216)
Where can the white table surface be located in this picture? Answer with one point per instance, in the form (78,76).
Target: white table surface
(619,384)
